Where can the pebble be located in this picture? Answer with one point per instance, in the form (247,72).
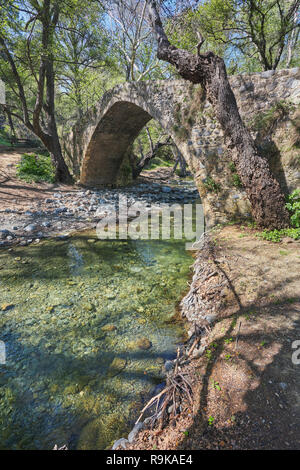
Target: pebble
(31,228)
(144,343)
(89,207)
(120,442)
(132,435)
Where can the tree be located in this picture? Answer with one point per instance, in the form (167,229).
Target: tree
(81,63)
(27,23)
(209,70)
(132,39)
(145,159)
(258,31)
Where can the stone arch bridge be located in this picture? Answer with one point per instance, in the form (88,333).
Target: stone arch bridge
(97,148)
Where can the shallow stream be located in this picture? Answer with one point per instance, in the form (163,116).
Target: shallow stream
(87,326)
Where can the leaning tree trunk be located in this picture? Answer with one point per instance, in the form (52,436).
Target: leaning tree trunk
(146,159)
(209,70)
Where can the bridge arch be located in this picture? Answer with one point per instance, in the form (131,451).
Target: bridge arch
(98,143)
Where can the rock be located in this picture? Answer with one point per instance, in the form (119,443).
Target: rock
(6,307)
(4,234)
(210,318)
(116,366)
(120,442)
(46,224)
(166,189)
(168,366)
(31,228)
(132,435)
(144,343)
(108,328)
(267,74)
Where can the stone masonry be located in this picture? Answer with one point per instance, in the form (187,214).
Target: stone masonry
(269,103)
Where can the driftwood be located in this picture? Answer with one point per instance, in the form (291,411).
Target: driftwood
(177,387)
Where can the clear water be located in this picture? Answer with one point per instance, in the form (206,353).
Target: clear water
(73,316)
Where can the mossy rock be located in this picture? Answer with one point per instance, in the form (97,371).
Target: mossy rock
(116,366)
(108,328)
(71,389)
(144,343)
(101,432)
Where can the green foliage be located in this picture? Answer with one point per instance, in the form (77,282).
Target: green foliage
(36,168)
(158,162)
(249,34)
(293,206)
(277,235)
(211,185)
(164,156)
(265,121)
(211,420)
(216,385)
(5,138)
(236,181)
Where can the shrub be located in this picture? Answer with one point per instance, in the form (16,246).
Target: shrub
(211,185)
(277,235)
(236,181)
(293,206)
(36,168)
(265,121)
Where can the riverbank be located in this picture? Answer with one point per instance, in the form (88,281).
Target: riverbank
(245,296)
(87,324)
(32,212)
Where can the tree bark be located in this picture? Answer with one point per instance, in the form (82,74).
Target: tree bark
(179,160)
(147,158)
(209,70)
(46,129)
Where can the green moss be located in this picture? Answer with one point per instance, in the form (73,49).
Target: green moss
(99,431)
(211,185)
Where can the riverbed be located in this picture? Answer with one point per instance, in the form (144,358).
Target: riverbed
(87,325)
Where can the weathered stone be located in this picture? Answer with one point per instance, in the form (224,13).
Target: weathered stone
(120,442)
(144,343)
(132,435)
(108,328)
(97,148)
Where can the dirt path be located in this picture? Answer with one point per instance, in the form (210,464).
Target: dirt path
(19,195)
(246,396)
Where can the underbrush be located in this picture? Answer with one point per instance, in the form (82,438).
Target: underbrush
(158,162)
(5,138)
(278,235)
(293,206)
(36,168)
